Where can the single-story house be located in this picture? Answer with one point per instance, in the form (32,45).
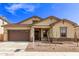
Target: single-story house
(36,28)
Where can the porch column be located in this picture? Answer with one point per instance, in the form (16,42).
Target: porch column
(5,37)
(41,34)
(32,37)
(32,34)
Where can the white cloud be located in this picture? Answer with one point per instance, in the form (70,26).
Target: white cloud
(27,7)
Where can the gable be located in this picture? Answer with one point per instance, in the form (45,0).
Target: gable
(62,23)
(27,22)
(30,20)
(55,29)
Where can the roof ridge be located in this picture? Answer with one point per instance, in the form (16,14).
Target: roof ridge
(53,17)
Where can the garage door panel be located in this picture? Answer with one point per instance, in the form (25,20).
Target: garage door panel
(18,35)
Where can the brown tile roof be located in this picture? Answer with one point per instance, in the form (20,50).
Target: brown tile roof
(50,17)
(16,25)
(41,19)
(73,23)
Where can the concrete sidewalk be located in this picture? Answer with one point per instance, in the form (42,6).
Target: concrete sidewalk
(39,54)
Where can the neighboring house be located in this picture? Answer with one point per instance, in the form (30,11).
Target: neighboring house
(36,28)
(3,21)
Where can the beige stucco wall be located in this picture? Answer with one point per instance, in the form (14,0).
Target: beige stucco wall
(30,21)
(46,22)
(5,38)
(2,29)
(55,30)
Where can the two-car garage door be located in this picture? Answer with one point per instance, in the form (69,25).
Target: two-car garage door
(18,35)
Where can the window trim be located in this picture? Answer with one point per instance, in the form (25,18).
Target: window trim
(65,33)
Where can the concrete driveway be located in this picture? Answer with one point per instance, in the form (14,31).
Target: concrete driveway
(12,46)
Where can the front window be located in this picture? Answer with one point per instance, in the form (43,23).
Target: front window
(63,31)
(45,33)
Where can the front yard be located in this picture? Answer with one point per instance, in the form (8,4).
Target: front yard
(67,46)
(40,48)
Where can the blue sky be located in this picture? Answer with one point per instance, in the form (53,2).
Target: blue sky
(16,12)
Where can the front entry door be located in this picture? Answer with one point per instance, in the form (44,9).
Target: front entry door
(37,34)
